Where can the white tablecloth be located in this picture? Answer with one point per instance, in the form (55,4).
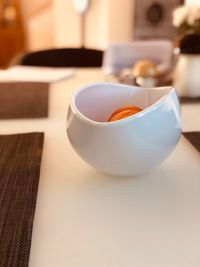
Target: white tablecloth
(85,218)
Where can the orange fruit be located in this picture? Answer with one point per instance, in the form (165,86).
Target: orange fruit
(123,112)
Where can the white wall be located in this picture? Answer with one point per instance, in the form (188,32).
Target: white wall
(191,2)
(66,24)
(38,23)
(41,31)
(120,20)
(58,24)
(97,24)
(105,21)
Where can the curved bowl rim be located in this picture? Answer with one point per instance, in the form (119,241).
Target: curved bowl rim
(136,116)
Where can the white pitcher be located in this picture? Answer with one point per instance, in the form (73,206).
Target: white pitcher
(186,77)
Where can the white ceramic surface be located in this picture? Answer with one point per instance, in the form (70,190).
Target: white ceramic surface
(186,75)
(131,146)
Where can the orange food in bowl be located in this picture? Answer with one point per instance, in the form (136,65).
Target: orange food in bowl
(123,112)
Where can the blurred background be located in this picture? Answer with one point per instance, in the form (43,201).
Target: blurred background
(30,25)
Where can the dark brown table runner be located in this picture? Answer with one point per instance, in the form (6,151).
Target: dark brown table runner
(23,100)
(193,138)
(189,99)
(20,157)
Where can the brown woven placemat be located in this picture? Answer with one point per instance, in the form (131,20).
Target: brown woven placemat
(20,157)
(23,100)
(193,138)
(189,100)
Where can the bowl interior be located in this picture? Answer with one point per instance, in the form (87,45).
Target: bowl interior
(98,101)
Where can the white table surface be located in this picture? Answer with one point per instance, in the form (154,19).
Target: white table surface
(85,218)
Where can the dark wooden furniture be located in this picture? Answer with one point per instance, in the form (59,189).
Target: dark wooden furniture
(62,57)
(11,31)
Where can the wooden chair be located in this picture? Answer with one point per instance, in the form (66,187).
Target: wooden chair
(61,57)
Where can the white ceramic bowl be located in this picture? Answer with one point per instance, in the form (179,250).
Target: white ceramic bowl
(131,146)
